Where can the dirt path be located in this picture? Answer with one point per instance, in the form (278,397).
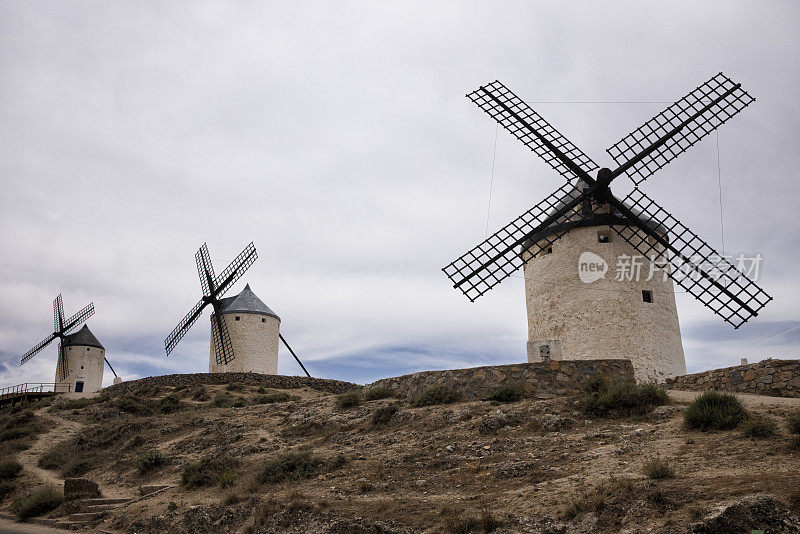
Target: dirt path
(60,430)
(749,400)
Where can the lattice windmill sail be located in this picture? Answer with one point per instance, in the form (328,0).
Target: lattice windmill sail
(61,330)
(214,287)
(586,201)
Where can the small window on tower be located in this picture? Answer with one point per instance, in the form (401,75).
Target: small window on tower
(263,320)
(603,236)
(647,295)
(237,317)
(87,349)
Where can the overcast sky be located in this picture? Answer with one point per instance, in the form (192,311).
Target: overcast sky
(336,136)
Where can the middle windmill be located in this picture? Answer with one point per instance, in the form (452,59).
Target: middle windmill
(245,332)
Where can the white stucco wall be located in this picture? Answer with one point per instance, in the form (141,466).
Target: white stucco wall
(604,319)
(255,344)
(84,364)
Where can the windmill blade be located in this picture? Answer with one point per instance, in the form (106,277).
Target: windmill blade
(58,314)
(38,347)
(204,268)
(236,269)
(693,264)
(186,323)
(223,347)
(63,371)
(536,133)
(498,257)
(79,318)
(673,131)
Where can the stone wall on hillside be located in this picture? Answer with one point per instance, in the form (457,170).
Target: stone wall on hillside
(778,378)
(540,380)
(268,381)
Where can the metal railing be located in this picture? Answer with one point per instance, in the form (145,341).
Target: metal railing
(34,387)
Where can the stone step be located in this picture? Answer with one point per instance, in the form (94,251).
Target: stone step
(99,507)
(67,525)
(85,517)
(104,500)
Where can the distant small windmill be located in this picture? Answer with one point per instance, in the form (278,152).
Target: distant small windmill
(579,314)
(256,343)
(91,364)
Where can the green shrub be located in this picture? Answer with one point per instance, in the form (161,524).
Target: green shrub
(170,404)
(228,478)
(37,502)
(290,466)
(222,401)
(504,394)
(75,404)
(9,469)
(6,487)
(793,423)
(134,405)
(151,460)
(383,415)
(658,468)
(54,458)
(207,472)
(273,398)
(623,399)
(235,386)
(758,426)
(459,524)
(80,466)
(714,410)
(347,400)
(200,394)
(377,393)
(339,461)
(596,384)
(436,395)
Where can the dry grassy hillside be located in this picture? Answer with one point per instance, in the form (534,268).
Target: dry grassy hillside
(242,458)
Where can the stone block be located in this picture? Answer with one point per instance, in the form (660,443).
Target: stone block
(80,488)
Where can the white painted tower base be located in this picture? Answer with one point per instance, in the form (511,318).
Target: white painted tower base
(85,363)
(570,319)
(254,331)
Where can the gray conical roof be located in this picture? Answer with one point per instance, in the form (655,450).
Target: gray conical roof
(84,338)
(246,302)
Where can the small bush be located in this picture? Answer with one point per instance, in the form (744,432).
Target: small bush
(227,479)
(235,386)
(79,466)
(758,426)
(222,401)
(436,395)
(38,502)
(172,506)
(793,423)
(290,466)
(485,523)
(377,393)
(596,384)
(273,398)
(134,405)
(170,404)
(623,399)
(6,487)
(151,460)
(75,404)
(658,468)
(338,461)
(200,394)
(347,400)
(383,415)
(53,458)
(504,394)
(207,472)
(9,469)
(714,410)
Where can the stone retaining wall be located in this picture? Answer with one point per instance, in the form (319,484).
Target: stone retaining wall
(778,378)
(268,381)
(540,380)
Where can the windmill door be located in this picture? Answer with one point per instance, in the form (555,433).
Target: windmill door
(78,387)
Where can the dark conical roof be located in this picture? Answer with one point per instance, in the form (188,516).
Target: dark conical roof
(84,338)
(246,302)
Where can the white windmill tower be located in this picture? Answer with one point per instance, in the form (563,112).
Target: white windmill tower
(573,315)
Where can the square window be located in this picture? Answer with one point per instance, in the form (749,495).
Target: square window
(87,349)
(603,236)
(647,295)
(263,320)
(237,317)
